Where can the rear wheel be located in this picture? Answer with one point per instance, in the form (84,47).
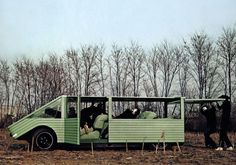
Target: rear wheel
(44,139)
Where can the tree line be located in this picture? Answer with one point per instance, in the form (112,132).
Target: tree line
(198,67)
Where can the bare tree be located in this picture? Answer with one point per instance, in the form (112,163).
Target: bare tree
(5,80)
(43,73)
(147,87)
(184,76)
(118,72)
(89,56)
(38,83)
(74,69)
(24,69)
(170,58)
(203,64)
(56,77)
(227,50)
(101,67)
(1,107)
(5,91)
(128,70)
(152,69)
(135,57)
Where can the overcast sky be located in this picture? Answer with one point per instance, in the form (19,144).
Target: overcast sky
(36,27)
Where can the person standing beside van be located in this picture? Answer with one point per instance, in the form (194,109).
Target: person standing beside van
(224,124)
(209,111)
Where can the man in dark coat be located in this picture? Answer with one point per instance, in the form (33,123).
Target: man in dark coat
(225,119)
(88,115)
(209,111)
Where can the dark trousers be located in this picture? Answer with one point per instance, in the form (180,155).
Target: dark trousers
(224,138)
(208,140)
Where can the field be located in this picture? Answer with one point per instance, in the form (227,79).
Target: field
(192,152)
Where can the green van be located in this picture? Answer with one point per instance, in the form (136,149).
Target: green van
(53,123)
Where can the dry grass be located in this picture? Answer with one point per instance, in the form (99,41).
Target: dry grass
(193,152)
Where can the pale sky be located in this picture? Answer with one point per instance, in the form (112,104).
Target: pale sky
(37,27)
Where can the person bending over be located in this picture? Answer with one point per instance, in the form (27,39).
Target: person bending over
(209,111)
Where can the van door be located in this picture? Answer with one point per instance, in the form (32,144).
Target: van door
(72,128)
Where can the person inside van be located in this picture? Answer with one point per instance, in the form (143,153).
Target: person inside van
(72,113)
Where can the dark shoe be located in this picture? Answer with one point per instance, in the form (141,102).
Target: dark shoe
(211,146)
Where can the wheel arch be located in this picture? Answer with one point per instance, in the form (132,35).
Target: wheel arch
(28,136)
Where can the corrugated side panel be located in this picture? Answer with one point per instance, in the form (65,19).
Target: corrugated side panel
(71,131)
(24,126)
(145,130)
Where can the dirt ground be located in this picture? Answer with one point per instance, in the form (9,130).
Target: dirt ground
(192,152)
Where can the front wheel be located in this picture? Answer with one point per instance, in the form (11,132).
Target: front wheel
(44,139)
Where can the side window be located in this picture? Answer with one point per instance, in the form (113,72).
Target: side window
(174,111)
(71,108)
(126,109)
(54,112)
(145,109)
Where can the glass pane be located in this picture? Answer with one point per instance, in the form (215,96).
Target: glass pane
(71,108)
(52,110)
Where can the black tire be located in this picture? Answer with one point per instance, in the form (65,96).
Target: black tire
(44,139)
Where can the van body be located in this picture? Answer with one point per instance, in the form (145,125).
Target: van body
(52,123)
